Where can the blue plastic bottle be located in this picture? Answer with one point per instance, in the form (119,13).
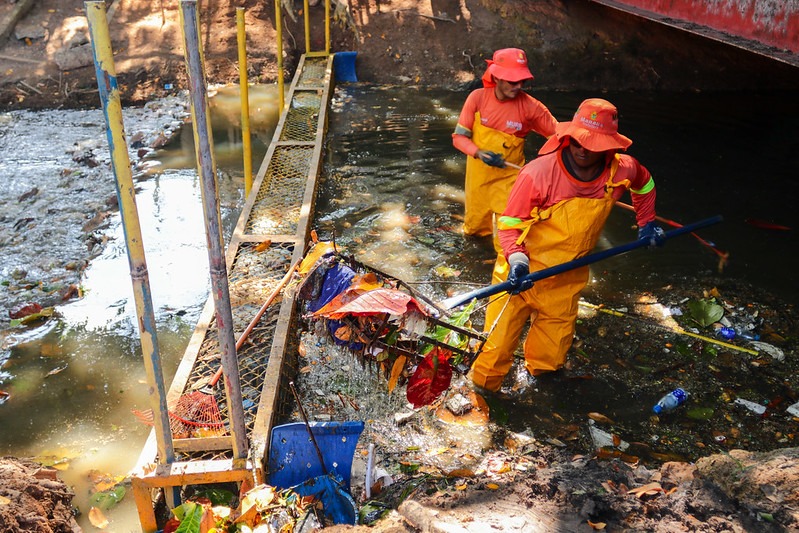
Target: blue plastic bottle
(730,333)
(670,401)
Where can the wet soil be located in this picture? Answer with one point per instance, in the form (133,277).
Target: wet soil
(575,46)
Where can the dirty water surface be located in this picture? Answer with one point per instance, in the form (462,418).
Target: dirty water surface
(392,196)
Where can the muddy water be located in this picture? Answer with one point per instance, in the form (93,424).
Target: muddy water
(392,193)
(73,382)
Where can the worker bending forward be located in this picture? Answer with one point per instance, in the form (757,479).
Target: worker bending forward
(556,211)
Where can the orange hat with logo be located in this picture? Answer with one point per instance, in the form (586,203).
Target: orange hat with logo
(509,64)
(595,126)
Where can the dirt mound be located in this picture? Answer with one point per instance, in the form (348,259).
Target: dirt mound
(33,499)
(47,60)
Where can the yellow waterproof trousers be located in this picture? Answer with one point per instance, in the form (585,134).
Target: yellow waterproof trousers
(487,188)
(570,231)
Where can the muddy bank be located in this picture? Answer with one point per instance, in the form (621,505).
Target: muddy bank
(580,45)
(33,499)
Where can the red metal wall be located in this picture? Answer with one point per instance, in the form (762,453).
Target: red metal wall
(771,22)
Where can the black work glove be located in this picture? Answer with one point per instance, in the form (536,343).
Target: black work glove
(653,233)
(493,159)
(519,268)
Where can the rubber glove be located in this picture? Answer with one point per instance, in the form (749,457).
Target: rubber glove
(519,268)
(653,233)
(492,159)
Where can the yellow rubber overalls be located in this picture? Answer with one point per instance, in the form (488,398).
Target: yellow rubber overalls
(487,188)
(566,231)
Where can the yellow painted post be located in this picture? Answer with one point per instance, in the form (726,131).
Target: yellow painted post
(327,26)
(279,28)
(307,19)
(244,91)
(126,194)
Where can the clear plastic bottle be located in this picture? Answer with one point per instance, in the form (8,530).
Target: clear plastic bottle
(670,401)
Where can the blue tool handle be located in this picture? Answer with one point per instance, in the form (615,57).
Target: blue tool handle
(491,290)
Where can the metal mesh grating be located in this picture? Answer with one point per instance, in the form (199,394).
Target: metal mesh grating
(314,71)
(301,124)
(265,268)
(277,206)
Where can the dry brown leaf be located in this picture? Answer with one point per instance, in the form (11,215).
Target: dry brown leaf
(6,501)
(396,372)
(261,246)
(305,369)
(596,525)
(461,472)
(599,417)
(649,489)
(302,350)
(97,518)
(492,486)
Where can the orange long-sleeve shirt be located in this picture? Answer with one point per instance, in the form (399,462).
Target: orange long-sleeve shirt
(545,181)
(518,117)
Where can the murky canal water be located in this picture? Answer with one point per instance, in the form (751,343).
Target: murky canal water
(392,194)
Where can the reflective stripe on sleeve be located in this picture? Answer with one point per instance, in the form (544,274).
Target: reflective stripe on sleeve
(646,188)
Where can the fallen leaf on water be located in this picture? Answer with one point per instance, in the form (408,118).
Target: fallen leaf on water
(56,370)
(97,518)
(599,417)
(649,489)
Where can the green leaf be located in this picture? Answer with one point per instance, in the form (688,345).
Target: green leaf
(768,517)
(191,515)
(705,312)
(107,499)
(217,496)
(700,413)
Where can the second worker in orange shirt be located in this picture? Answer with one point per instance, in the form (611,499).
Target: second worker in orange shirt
(491,130)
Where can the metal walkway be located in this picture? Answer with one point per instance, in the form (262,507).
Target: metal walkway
(270,237)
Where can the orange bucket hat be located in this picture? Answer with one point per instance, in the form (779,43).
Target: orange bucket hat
(509,64)
(595,126)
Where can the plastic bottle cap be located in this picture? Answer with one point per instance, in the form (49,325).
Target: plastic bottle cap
(657,409)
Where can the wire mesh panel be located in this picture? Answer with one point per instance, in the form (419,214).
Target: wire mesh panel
(279,201)
(302,121)
(314,71)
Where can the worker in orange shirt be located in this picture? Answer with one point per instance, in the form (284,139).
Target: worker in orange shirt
(491,130)
(555,214)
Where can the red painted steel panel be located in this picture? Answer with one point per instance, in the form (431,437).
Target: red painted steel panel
(770,22)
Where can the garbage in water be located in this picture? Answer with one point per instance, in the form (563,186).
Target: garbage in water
(670,401)
(756,408)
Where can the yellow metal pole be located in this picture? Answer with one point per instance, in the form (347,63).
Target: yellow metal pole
(245,101)
(327,26)
(120,162)
(307,19)
(279,28)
